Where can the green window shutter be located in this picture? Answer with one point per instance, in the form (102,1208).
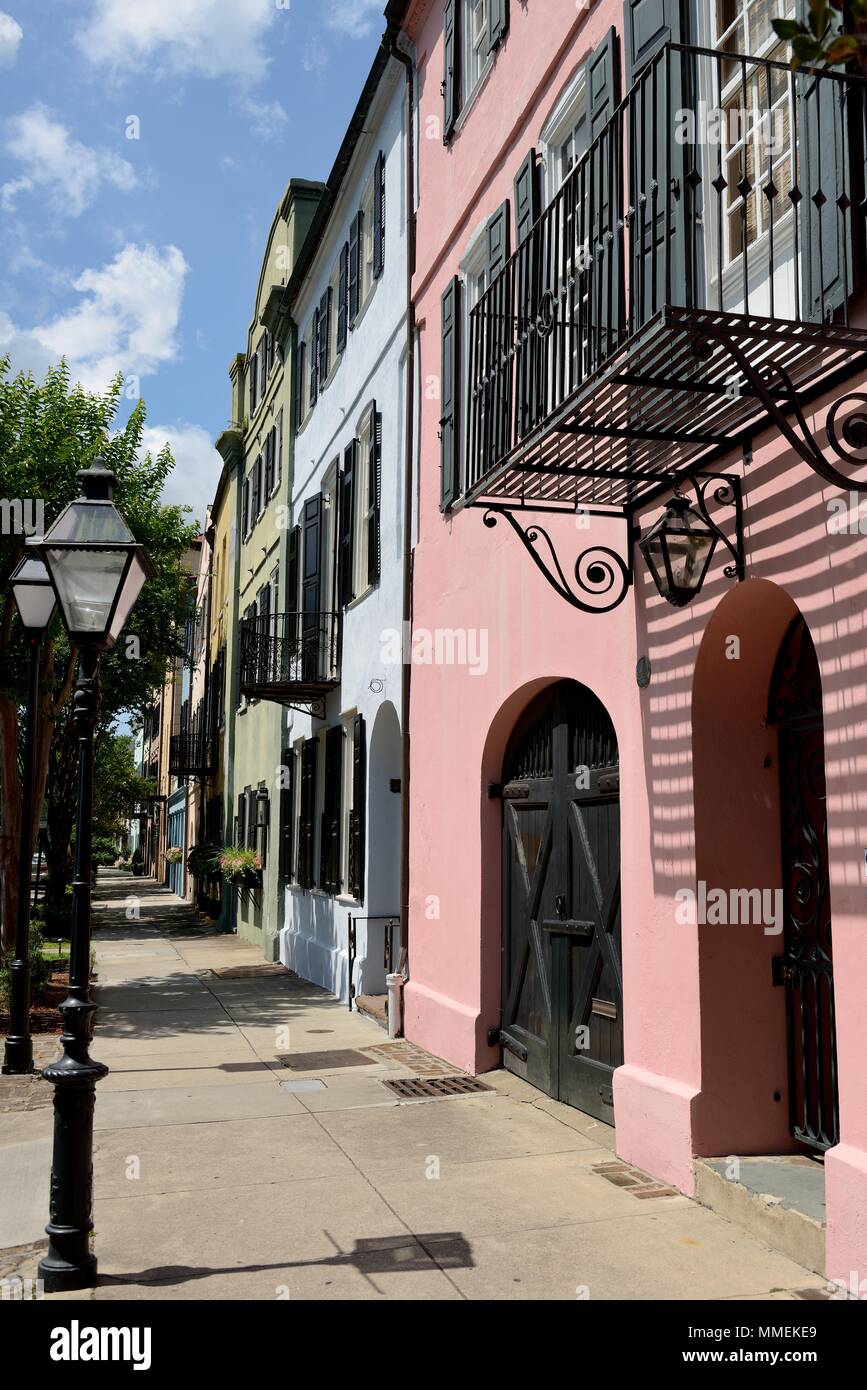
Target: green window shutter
(300,352)
(241,822)
(374,483)
(345,526)
(358,819)
(828,114)
(379,216)
(528,196)
(449,390)
(324,336)
(498,22)
(452,75)
(499,334)
(342,293)
(250,817)
(497,235)
(355,251)
(329,873)
(311,584)
(306,822)
(314,359)
(287,819)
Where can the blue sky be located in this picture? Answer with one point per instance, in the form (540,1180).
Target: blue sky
(142,254)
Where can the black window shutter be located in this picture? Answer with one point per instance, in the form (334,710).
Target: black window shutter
(342,291)
(254,381)
(292,571)
(269,463)
(245,509)
(528,196)
(452,75)
(241,822)
(379,216)
(828,180)
(314,359)
(309,754)
(346,516)
(374,483)
(358,820)
(498,334)
(329,858)
(324,336)
(311,587)
(287,817)
(498,22)
(250,813)
(263,819)
(278,448)
(449,389)
(300,352)
(355,249)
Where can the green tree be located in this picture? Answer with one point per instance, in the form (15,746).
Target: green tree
(49,431)
(829,36)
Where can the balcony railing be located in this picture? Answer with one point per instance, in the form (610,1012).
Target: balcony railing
(695,267)
(190,755)
(290,657)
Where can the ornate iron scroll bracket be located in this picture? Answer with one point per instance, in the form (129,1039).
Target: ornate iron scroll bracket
(724,489)
(598,570)
(846,434)
(315,708)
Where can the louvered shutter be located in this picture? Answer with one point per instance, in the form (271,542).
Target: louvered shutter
(278,449)
(324,336)
(311,587)
(342,293)
(241,822)
(329,873)
(269,463)
(604,217)
(528,210)
(449,391)
(374,495)
(245,509)
(300,353)
(498,22)
(314,359)
(498,330)
(379,216)
(309,755)
(355,251)
(346,518)
(292,594)
(451,76)
(287,818)
(649,25)
(358,819)
(250,818)
(254,381)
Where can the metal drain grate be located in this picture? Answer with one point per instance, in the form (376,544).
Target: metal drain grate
(427,1087)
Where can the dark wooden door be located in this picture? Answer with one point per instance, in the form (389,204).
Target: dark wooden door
(807,967)
(562,1026)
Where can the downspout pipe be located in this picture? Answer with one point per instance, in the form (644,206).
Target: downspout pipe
(391,44)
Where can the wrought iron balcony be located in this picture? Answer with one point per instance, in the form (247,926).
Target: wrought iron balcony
(690,283)
(190,755)
(291,658)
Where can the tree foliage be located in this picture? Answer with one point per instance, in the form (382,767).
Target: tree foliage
(829,36)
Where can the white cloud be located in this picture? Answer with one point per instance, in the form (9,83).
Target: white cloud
(126,320)
(316,56)
(11,35)
(67,173)
(354,18)
(268,119)
(212,38)
(193,480)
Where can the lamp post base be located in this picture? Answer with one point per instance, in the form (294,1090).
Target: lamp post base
(57,1276)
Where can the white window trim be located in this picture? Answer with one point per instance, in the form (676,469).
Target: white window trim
(559,126)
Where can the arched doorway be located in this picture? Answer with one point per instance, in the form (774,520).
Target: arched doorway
(562,999)
(805,968)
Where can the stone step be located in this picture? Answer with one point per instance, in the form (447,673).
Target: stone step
(374,1006)
(780,1199)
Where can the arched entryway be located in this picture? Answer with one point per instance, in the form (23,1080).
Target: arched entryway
(562,1000)
(761,851)
(805,968)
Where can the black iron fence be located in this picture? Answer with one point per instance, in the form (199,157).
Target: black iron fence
(722,184)
(290,650)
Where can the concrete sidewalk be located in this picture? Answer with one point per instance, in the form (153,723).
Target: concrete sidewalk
(247,1147)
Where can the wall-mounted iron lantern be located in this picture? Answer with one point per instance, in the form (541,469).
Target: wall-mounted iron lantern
(680,546)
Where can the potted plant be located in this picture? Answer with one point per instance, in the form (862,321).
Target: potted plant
(203,861)
(242,868)
(137,863)
(174,854)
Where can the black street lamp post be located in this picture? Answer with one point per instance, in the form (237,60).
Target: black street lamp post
(34,599)
(97,570)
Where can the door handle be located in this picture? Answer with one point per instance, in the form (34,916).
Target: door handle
(560,907)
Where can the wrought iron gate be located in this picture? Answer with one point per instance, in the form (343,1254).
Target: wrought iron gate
(806,966)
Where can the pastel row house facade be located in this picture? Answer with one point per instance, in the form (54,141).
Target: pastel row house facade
(637,808)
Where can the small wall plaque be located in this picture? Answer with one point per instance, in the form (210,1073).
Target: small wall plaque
(642,672)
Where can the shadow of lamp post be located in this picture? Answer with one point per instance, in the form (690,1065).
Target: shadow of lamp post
(34,599)
(97,569)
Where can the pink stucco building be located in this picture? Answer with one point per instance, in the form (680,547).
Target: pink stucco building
(632,829)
